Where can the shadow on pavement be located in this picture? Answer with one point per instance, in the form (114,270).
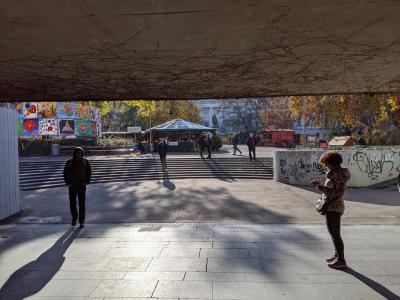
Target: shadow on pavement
(26,282)
(377,287)
(364,195)
(166,182)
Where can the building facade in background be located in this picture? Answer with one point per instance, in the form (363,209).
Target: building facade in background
(235,116)
(230,116)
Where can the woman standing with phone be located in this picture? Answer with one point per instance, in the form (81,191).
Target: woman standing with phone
(332,192)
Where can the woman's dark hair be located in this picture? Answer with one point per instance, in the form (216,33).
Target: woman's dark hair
(332,158)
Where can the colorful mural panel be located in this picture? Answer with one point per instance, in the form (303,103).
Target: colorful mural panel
(20,110)
(95,114)
(19,126)
(48,127)
(67,127)
(30,127)
(52,118)
(93,128)
(83,127)
(99,129)
(47,110)
(66,110)
(30,110)
(82,111)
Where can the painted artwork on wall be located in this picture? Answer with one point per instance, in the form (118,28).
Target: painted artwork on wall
(48,127)
(30,110)
(66,110)
(82,111)
(93,128)
(95,114)
(47,110)
(67,127)
(83,127)
(53,118)
(30,127)
(19,126)
(99,129)
(19,107)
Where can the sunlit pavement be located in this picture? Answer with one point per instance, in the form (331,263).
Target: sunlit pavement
(201,261)
(199,239)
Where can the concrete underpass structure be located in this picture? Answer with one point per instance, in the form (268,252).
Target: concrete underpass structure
(190,49)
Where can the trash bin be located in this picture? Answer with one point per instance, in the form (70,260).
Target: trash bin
(55,149)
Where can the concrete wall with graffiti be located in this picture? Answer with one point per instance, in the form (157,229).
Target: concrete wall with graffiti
(368,166)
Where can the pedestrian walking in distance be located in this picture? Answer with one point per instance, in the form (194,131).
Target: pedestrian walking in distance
(235,144)
(202,143)
(77,175)
(333,191)
(251,144)
(207,144)
(162,151)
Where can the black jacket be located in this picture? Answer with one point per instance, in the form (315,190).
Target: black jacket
(77,174)
(163,149)
(252,142)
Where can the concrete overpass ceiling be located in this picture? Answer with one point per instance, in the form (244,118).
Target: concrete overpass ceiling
(189,49)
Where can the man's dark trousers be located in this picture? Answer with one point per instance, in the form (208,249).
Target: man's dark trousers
(252,150)
(201,150)
(209,150)
(79,191)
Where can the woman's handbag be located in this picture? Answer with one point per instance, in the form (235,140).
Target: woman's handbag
(322,205)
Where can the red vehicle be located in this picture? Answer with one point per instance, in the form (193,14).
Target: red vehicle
(277,138)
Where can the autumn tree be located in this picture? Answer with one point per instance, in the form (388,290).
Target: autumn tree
(367,111)
(164,110)
(275,112)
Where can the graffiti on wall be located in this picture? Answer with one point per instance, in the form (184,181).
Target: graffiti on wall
(368,166)
(377,164)
(300,168)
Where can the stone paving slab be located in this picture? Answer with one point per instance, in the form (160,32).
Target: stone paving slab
(184,289)
(55,262)
(125,288)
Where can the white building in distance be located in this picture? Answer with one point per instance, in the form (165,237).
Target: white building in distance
(229,117)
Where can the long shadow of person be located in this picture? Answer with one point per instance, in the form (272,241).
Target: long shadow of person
(168,184)
(377,287)
(32,277)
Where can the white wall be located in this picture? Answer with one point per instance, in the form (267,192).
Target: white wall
(9,172)
(368,166)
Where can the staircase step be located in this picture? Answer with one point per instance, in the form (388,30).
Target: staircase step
(49,174)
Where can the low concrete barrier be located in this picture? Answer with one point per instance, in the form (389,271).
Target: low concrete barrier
(368,165)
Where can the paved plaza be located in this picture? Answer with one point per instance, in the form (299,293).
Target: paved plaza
(214,261)
(199,239)
(198,200)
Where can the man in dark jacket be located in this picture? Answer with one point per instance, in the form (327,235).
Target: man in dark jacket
(251,144)
(201,143)
(207,144)
(162,151)
(77,174)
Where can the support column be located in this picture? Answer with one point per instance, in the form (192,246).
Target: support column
(9,165)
